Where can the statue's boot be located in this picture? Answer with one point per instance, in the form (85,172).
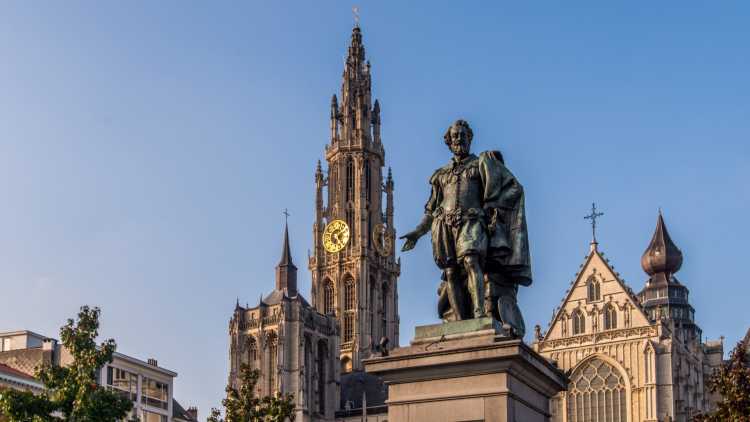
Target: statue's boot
(455,293)
(475,284)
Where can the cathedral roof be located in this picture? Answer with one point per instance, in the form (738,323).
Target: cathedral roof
(276,296)
(662,255)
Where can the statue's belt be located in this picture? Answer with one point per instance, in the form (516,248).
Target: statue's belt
(456,217)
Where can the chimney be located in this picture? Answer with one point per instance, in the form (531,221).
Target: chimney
(152,362)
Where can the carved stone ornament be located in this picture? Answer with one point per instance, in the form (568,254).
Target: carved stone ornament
(382,239)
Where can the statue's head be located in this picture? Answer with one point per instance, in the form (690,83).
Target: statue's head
(458,138)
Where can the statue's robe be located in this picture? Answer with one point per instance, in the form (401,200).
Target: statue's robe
(484,215)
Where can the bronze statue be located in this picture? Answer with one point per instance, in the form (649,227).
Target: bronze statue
(479,237)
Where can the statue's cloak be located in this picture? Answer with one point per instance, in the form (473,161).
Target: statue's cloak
(508,246)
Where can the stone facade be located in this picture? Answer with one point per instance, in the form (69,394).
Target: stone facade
(358,285)
(295,347)
(630,357)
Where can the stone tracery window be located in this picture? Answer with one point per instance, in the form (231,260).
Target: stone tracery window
(384,316)
(596,393)
(368,176)
(328,295)
(273,347)
(349,179)
(322,375)
(349,302)
(594,289)
(610,317)
(252,352)
(579,322)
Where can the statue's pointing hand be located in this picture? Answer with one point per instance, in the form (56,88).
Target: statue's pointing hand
(411,240)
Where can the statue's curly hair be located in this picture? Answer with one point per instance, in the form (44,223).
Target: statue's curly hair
(461,123)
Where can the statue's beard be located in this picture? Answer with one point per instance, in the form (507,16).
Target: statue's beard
(460,150)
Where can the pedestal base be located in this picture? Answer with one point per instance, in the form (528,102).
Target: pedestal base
(449,374)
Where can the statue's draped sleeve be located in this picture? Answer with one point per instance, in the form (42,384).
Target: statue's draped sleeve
(436,194)
(505,211)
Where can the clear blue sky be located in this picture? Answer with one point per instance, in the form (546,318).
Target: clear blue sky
(147,150)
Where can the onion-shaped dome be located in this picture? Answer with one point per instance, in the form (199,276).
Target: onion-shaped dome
(662,255)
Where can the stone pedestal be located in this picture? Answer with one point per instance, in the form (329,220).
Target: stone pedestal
(467,371)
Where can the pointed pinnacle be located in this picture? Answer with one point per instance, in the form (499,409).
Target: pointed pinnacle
(286,254)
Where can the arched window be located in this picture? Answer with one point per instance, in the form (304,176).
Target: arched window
(328,295)
(367,180)
(252,352)
(308,398)
(384,315)
(594,291)
(272,361)
(322,376)
(349,304)
(349,179)
(373,306)
(350,219)
(579,322)
(610,317)
(596,393)
(346,365)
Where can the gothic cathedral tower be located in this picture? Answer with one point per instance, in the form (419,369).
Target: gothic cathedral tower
(353,266)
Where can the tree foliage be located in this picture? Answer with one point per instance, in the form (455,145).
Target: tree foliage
(732,381)
(244,406)
(71,392)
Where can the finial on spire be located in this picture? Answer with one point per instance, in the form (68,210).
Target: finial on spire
(355,12)
(593,216)
(286,214)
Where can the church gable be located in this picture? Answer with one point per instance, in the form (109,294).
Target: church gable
(598,300)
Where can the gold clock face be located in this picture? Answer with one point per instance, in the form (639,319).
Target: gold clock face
(335,236)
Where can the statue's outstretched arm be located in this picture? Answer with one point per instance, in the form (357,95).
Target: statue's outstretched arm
(413,236)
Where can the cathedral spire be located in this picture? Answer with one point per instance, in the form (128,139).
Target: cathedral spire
(286,271)
(662,258)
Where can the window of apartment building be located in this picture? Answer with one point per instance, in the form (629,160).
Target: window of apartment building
(153,417)
(5,346)
(123,382)
(155,393)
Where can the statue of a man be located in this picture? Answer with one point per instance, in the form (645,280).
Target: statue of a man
(479,237)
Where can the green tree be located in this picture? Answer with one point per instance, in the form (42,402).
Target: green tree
(71,392)
(732,381)
(244,406)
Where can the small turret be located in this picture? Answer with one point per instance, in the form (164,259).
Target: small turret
(664,297)
(286,271)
